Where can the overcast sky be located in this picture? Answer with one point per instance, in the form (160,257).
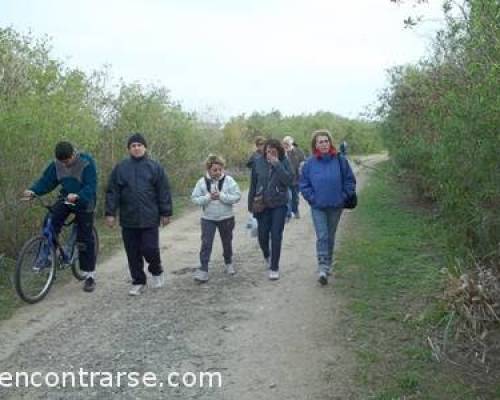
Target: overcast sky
(231,56)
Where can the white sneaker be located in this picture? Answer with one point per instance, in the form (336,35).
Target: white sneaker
(200,275)
(136,290)
(158,281)
(274,275)
(229,268)
(323,278)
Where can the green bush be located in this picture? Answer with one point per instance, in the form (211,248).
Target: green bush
(440,124)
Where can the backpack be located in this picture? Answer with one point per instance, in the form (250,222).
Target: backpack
(221,183)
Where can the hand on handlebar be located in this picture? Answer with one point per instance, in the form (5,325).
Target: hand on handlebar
(71,198)
(28,195)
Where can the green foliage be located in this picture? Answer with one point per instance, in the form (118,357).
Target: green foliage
(362,136)
(440,123)
(42,102)
(389,275)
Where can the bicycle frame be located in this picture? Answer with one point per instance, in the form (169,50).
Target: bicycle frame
(66,253)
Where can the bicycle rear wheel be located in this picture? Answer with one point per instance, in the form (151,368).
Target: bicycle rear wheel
(35,269)
(75,265)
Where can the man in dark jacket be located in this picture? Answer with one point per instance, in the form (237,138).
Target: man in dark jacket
(77,175)
(139,188)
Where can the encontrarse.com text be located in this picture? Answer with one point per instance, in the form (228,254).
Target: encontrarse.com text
(84,379)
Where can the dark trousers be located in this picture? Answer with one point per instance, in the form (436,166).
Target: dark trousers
(208,229)
(295,198)
(84,236)
(142,244)
(271,223)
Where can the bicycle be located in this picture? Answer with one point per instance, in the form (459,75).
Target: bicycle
(43,254)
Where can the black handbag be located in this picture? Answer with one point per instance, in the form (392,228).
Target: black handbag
(352,200)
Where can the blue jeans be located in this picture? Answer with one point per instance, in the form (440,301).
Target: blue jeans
(295,198)
(271,223)
(325,224)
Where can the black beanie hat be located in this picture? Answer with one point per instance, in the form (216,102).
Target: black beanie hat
(136,138)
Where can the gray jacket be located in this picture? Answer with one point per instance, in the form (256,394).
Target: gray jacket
(139,188)
(270,180)
(295,157)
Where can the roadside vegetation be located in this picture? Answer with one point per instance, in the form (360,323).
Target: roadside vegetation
(440,122)
(397,320)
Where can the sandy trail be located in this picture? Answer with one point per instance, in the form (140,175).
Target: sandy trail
(269,340)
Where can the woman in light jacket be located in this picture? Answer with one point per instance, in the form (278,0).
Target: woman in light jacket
(216,193)
(326,182)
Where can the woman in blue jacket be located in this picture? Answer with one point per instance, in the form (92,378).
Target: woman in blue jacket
(325,184)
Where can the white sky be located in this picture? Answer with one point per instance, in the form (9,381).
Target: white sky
(231,56)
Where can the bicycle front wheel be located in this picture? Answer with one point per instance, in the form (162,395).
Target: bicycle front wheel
(35,269)
(75,266)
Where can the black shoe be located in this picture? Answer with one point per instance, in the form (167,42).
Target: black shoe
(89,285)
(323,279)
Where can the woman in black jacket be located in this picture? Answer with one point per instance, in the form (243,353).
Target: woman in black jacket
(267,200)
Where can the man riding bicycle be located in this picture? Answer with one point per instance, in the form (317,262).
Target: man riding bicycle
(77,175)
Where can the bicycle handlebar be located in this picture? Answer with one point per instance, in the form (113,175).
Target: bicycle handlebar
(34,196)
(49,207)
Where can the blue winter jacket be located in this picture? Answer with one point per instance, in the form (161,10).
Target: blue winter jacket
(79,178)
(321,181)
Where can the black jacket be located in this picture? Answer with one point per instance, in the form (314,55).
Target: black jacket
(139,188)
(272,181)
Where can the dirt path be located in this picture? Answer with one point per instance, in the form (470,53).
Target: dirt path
(269,340)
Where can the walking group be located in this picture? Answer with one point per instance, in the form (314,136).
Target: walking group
(138,192)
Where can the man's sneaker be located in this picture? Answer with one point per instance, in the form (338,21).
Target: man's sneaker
(158,281)
(323,278)
(136,290)
(274,275)
(267,262)
(200,275)
(89,285)
(229,268)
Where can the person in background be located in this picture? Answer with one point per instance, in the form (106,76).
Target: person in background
(343,148)
(216,193)
(325,184)
(259,151)
(138,187)
(295,158)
